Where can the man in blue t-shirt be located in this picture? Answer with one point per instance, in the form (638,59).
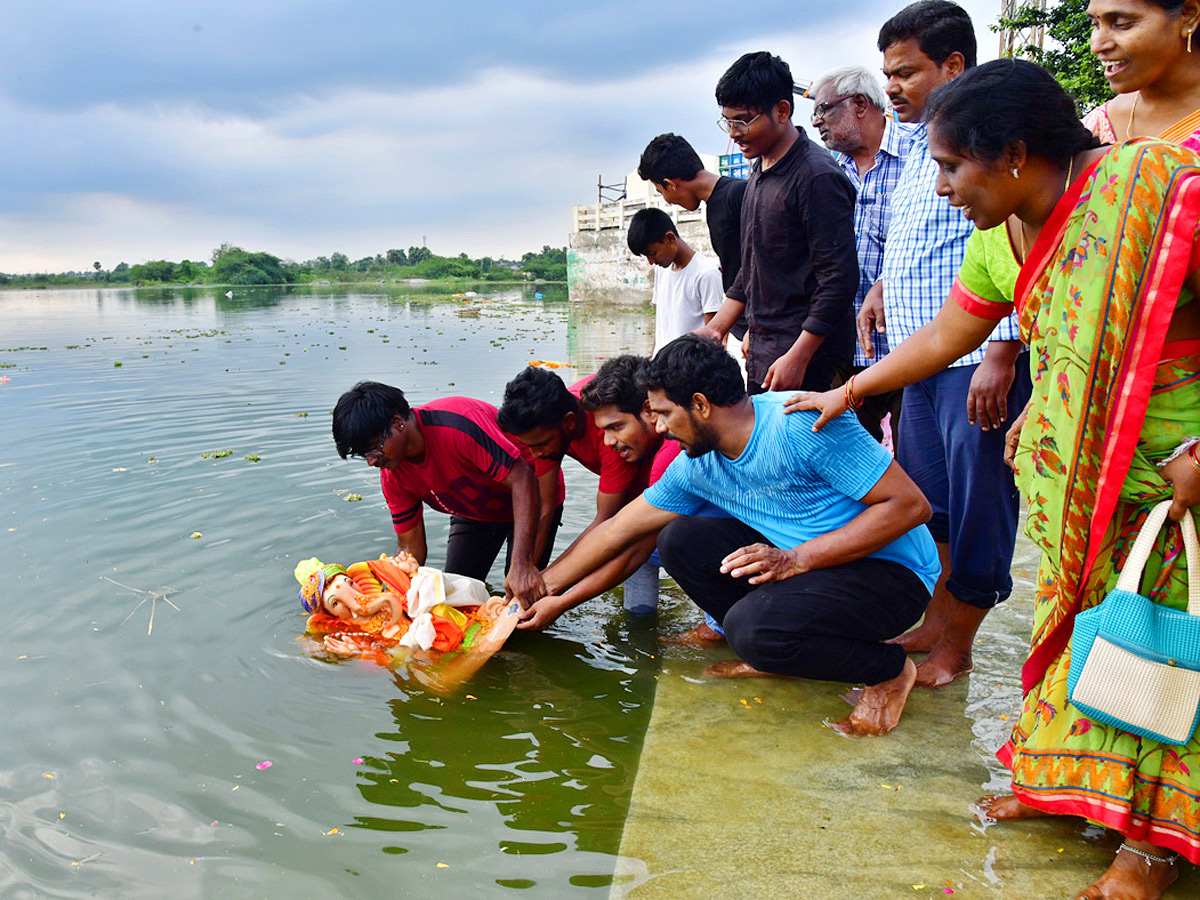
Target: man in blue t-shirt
(826,556)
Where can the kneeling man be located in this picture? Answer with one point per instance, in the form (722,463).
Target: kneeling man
(825,557)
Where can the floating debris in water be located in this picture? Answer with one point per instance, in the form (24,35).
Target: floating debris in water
(353,498)
(196,535)
(253,457)
(216,454)
(265,764)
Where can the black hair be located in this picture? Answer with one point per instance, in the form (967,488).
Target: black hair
(537,398)
(619,383)
(364,413)
(692,364)
(649,226)
(986,109)
(1171,7)
(939,26)
(669,156)
(756,82)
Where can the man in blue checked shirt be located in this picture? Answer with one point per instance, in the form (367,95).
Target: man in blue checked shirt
(850,115)
(951,439)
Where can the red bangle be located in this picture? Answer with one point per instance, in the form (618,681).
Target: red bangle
(1192,458)
(852,402)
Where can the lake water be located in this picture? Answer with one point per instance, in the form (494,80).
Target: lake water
(166,731)
(152,661)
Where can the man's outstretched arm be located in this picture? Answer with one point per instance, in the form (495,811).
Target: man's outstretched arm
(603,542)
(523,580)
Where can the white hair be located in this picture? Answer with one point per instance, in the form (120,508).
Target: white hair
(853,80)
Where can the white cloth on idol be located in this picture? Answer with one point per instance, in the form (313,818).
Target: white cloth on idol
(421,633)
(431,587)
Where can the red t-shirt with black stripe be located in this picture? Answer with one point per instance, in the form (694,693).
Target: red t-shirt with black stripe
(467,457)
(616,475)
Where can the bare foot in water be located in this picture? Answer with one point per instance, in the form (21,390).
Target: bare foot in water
(735,668)
(921,639)
(878,710)
(943,665)
(1131,877)
(702,635)
(1004,808)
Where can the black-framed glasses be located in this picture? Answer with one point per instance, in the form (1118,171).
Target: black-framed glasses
(821,110)
(375,453)
(741,126)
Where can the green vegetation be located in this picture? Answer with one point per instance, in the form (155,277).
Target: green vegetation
(235,266)
(1071,62)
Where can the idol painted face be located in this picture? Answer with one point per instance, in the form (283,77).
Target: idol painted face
(912,76)
(633,437)
(343,600)
(546,442)
(680,424)
(1135,41)
(982,190)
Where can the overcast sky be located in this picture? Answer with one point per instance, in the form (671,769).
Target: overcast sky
(138,130)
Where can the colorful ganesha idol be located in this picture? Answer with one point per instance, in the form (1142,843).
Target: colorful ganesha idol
(373,608)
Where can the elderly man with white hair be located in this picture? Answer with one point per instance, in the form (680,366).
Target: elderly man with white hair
(851,116)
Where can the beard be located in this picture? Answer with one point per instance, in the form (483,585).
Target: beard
(704,440)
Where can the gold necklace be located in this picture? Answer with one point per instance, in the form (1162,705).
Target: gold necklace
(1132,110)
(1021,222)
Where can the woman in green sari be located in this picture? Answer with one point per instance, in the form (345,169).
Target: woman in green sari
(1105,297)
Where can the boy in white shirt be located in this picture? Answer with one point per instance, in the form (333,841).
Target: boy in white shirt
(687,288)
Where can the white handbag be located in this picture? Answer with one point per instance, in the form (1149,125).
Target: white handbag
(1135,664)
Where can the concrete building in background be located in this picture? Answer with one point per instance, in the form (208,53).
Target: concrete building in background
(599,264)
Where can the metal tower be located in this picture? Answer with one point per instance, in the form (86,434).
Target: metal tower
(1015,41)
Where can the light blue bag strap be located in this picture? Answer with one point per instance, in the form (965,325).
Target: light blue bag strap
(1130,578)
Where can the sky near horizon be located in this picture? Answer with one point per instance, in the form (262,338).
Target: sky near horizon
(144,130)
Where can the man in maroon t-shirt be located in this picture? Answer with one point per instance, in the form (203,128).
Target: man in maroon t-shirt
(547,417)
(616,399)
(451,455)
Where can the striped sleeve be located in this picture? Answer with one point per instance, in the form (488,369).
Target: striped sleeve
(979,287)
(404,505)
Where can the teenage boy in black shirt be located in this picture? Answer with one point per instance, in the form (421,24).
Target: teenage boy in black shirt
(674,168)
(799,271)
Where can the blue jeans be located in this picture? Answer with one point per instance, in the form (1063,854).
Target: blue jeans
(960,468)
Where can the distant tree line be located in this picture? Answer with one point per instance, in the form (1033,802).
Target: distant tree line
(235,266)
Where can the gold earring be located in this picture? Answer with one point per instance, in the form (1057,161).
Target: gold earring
(1189,41)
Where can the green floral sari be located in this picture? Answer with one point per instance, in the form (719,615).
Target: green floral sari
(1110,399)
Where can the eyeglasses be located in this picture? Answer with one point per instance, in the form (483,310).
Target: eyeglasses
(821,110)
(741,126)
(375,453)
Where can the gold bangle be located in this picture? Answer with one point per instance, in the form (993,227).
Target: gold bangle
(852,402)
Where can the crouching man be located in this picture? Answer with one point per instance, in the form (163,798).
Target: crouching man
(825,557)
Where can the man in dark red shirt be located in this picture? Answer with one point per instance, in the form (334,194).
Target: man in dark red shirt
(616,399)
(451,455)
(547,417)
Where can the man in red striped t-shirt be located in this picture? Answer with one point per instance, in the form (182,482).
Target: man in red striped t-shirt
(451,455)
(546,416)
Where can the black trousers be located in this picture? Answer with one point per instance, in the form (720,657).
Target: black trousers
(473,546)
(828,624)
